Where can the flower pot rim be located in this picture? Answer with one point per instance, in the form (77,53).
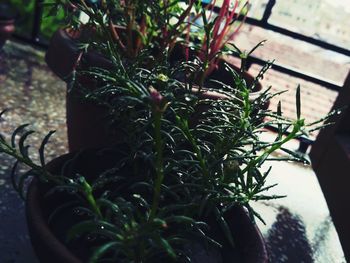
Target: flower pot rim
(38,225)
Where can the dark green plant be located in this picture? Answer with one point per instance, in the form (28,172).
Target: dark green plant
(131,27)
(143,33)
(195,164)
(25,10)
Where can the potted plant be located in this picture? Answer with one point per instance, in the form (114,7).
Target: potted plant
(146,32)
(177,188)
(7,22)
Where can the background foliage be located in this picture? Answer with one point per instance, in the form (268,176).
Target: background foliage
(26,12)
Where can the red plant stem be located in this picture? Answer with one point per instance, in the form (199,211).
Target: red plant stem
(220,34)
(187,52)
(142,32)
(212,9)
(116,36)
(230,38)
(219,43)
(129,13)
(213,47)
(220,17)
(188,27)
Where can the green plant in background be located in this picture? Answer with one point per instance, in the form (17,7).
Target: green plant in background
(49,23)
(131,27)
(219,30)
(26,12)
(148,31)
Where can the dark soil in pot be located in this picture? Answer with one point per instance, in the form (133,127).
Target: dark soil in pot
(48,238)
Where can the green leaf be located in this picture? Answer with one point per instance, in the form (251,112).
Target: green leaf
(279,124)
(203,205)
(298,102)
(262,189)
(24,149)
(102,250)
(42,147)
(92,226)
(141,185)
(167,247)
(298,156)
(3,112)
(279,109)
(261,43)
(108,204)
(180,219)
(13,176)
(201,234)
(235,48)
(224,226)
(15,132)
(175,207)
(254,214)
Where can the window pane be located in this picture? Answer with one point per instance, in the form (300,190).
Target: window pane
(296,54)
(257,8)
(327,20)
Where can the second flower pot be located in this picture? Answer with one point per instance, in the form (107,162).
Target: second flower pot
(87,123)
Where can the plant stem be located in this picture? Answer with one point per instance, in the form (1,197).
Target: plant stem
(159,162)
(130,15)
(7,149)
(296,128)
(186,131)
(87,190)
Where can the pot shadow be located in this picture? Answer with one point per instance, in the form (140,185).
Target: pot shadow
(287,241)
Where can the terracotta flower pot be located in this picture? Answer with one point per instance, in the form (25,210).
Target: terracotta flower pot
(86,122)
(248,239)
(7,23)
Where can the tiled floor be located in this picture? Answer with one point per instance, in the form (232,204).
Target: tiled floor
(298,227)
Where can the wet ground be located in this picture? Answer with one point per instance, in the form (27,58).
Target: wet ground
(32,95)
(298,228)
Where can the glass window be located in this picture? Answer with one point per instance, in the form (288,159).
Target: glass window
(296,54)
(327,20)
